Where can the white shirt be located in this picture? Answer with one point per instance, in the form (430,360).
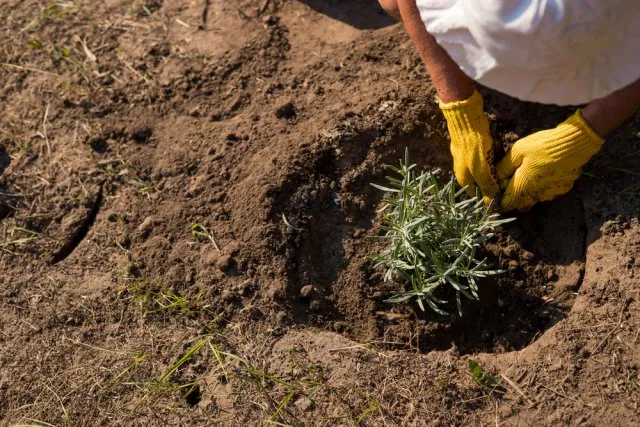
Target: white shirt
(549,51)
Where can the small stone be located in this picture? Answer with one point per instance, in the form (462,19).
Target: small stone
(307,291)
(315,305)
(339,326)
(190,276)
(513,265)
(527,256)
(124,240)
(377,295)
(242,288)
(226,295)
(511,251)
(145,227)
(224,263)
(270,19)
(304,404)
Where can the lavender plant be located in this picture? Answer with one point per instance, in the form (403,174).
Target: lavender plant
(433,237)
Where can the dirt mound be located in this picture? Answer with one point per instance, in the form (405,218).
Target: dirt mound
(184,212)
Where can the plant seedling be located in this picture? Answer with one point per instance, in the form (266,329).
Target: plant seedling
(29,236)
(154,298)
(484,379)
(200,232)
(433,237)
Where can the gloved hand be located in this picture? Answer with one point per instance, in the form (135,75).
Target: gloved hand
(471,146)
(545,164)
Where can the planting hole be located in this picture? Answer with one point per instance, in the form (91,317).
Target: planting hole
(333,285)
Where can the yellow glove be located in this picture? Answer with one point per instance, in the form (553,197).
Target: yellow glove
(545,164)
(471,146)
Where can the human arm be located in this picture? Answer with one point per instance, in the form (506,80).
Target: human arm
(450,82)
(604,115)
(472,147)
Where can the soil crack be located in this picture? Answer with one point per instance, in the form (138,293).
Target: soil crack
(81,232)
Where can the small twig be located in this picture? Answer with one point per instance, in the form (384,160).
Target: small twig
(395,81)
(243,15)
(605,339)
(516,388)
(613,330)
(288,224)
(35,70)
(64,410)
(184,24)
(86,193)
(44,130)
(136,72)
(264,6)
(565,396)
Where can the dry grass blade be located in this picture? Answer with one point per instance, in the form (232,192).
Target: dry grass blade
(199,231)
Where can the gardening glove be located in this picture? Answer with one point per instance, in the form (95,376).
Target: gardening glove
(471,146)
(544,165)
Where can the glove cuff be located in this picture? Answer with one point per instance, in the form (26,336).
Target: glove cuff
(466,115)
(472,103)
(574,137)
(578,120)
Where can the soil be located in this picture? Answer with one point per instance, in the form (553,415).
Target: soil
(178,171)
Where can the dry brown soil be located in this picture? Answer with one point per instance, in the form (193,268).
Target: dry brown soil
(124,123)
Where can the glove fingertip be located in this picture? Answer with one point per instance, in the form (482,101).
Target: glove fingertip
(489,187)
(509,200)
(504,169)
(521,204)
(506,205)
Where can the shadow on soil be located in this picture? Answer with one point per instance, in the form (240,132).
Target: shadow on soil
(5,160)
(5,205)
(361,14)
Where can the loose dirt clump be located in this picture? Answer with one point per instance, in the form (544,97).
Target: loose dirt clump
(185,206)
